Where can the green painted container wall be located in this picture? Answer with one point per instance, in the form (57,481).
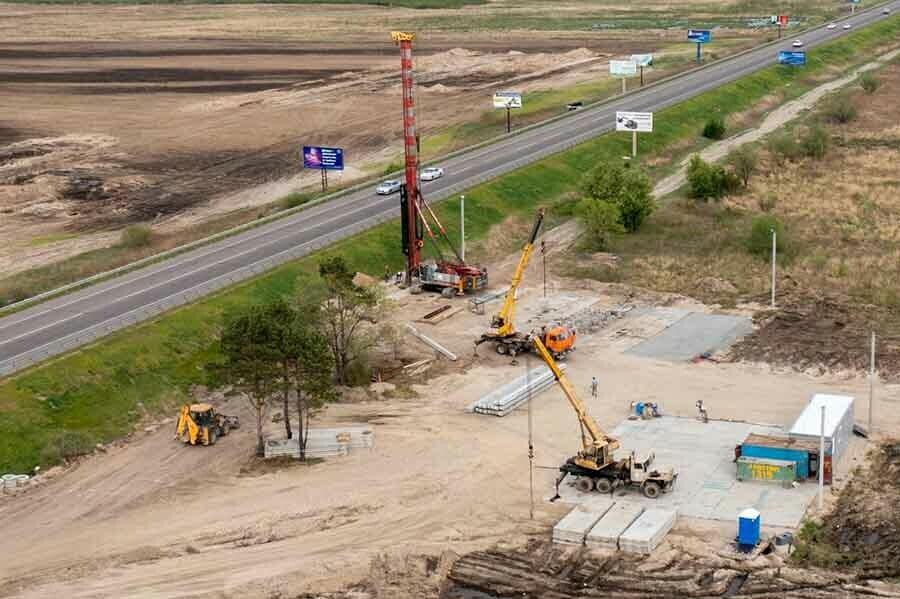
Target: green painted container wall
(766,470)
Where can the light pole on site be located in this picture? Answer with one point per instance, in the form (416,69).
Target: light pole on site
(462,227)
(871,380)
(530,438)
(774,250)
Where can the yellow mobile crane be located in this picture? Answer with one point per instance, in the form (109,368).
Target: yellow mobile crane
(594,467)
(559,339)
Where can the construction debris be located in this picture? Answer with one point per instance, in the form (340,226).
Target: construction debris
(441,314)
(503,400)
(432,343)
(323,442)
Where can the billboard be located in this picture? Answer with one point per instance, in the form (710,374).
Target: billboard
(642,60)
(791,58)
(622,68)
(329,159)
(507,99)
(642,122)
(700,36)
(780,20)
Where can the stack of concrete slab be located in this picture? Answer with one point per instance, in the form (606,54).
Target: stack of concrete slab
(504,399)
(323,442)
(606,532)
(573,528)
(647,531)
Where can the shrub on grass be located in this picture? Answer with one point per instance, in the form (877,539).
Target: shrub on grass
(840,109)
(136,236)
(293,200)
(784,148)
(714,128)
(601,221)
(815,142)
(869,83)
(760,242)
(628,189)
(710,181)
(743,162)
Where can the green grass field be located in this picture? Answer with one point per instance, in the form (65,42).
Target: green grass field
(95,394)
(398,3)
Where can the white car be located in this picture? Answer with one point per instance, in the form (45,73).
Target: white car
(847,26)
(388,187)
(885,11)
(797,44)
(431,173)
(831,26)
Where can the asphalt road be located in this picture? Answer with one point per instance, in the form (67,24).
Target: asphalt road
(50,327)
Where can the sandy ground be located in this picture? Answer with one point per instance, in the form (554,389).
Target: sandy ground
(153,518)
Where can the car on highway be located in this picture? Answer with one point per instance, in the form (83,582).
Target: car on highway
(831,26)
(797,44)
(574,105)
(847,26)
(431,173)
(885,11)
(388,187)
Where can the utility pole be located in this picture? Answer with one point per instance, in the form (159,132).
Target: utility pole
(642,75)
(462,227)
(822,461)
(530,438)
(544,260)
(774,246)
(508,125)
(871,380)
(634,144)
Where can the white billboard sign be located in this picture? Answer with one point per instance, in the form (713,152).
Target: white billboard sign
(622,68)
(642,122)
(507,100)
(642,60)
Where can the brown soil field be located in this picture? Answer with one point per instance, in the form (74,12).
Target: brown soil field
(175,115)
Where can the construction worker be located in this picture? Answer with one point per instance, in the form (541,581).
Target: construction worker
(595,387)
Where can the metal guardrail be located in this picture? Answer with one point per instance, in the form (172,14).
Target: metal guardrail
(251,270)
(368,181)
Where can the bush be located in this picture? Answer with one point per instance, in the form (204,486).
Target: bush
(392,168)
(760,242)
(628,189)
(710,181)
(869,83)
(815,142)
(714,128)
(784,148)
(743,161)
(67,445)
(293,200)
(768,202)
(840,109)
(601,220)
(136,236)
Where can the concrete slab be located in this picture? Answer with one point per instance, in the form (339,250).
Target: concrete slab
(692,335)
(606,532)
(572,529)
(648,531)
(702,455)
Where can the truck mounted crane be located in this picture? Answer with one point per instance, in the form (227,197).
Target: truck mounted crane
(507,340)
(594,466)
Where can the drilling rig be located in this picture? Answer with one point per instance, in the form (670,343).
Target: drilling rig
(447,275)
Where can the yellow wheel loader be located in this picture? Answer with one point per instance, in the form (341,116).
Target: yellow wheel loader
(200,424)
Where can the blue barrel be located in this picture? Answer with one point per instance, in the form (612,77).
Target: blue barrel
(748,527)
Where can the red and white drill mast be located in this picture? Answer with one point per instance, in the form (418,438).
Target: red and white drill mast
(410,145)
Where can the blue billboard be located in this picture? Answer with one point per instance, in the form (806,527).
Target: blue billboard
(329,159)
(791,58)
(700,36)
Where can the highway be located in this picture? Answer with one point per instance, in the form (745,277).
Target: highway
(67,321)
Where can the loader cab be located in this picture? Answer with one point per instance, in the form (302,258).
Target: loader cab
(202,414)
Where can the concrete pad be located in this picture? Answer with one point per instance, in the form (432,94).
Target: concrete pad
(692,335)
(606,532)
(572,529)
(707,488)
(648,531)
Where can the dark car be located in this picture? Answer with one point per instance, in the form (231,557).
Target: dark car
(574,105)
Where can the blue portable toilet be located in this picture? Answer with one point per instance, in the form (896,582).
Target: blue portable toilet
(748,528)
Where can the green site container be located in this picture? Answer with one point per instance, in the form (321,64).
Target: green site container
(766,470)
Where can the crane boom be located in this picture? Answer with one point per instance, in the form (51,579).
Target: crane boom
(597,448)
(503,320)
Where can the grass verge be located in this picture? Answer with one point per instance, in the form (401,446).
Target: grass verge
(98,392)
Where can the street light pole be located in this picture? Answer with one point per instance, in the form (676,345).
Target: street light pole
(462,227)
(774,246)
(871,380)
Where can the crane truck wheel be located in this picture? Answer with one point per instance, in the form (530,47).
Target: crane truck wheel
(584,484)
(447,292)
(213,435)
(651,490)
(603,485)
(501,349)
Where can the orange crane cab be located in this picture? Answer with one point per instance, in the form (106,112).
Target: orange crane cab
(559,340)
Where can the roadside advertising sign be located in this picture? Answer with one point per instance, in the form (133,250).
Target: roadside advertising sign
(507,99)
(791,58)
(782,20)
(699,36)
(622,68)
(642,60)
(329,159)
(642,122)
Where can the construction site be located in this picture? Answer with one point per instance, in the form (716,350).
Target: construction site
(493,420)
